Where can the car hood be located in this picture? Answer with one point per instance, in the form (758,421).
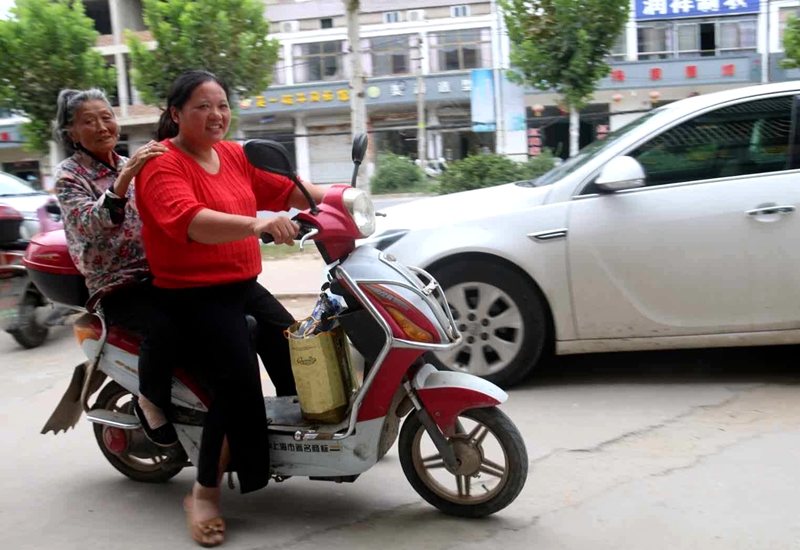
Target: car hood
(460,207)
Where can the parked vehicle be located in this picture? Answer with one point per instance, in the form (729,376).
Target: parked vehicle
(457,449)
(678,230)
(24,311)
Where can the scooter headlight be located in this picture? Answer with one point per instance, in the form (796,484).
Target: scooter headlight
(361,209)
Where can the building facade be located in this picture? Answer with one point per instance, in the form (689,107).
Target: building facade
(669,50)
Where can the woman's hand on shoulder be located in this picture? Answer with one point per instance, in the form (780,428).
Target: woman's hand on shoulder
(282,229)
(142,155)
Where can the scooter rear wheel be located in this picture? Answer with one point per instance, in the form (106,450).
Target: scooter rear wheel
(493,464)
(156,467)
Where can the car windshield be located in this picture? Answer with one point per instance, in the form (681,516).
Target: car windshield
(588,153)
(11,186)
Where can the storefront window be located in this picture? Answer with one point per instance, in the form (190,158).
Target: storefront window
(655,41)
(461,50)
(279,71)
(702,37)
(318,62)
(619,51)
(392,55)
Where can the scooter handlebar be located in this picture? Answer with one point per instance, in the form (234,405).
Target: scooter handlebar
(267,238)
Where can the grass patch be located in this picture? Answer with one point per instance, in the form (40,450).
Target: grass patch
(283,252)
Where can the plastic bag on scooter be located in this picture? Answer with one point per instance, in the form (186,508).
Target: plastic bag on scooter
(321,366)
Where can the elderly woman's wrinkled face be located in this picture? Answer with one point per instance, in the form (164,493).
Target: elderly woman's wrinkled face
(95,127)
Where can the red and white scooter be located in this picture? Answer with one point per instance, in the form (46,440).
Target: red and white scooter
(457,449)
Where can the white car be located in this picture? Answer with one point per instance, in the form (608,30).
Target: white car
(26,200)
(679,230)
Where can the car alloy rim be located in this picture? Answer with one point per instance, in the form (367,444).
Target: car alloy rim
(491,324)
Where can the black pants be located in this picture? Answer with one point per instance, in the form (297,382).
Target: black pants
(212,322)
(136,309)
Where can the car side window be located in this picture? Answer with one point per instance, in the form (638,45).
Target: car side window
(739,140)
(744,139)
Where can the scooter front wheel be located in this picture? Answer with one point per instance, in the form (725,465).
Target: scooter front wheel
(493,464)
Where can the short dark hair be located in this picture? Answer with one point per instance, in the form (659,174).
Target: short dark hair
(179,93)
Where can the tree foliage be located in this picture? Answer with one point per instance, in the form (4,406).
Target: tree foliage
(226,37)
(791,44)
(396,174)
(481,171)
(46,46)
(562,45)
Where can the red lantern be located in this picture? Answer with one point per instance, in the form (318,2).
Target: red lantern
(654,96)
(616,98)
(538,109)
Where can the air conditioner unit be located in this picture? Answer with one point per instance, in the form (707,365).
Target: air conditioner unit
(290,26)
(416,15)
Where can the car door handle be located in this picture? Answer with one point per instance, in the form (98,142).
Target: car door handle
(768,210)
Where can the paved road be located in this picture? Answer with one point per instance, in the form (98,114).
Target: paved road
(661,451)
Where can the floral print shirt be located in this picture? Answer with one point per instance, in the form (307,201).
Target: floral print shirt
(105,246)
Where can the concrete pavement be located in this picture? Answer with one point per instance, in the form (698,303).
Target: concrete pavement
(300,276)
(670,451)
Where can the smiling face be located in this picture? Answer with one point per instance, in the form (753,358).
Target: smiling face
(205,118)
(95,128)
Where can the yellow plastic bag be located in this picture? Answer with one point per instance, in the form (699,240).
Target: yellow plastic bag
(322,373)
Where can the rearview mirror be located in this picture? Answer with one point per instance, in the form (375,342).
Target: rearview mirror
(359,147)
(269,156)
(619,174)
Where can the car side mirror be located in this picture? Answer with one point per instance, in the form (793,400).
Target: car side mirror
(619,174)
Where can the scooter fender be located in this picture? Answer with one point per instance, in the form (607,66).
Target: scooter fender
(445,395)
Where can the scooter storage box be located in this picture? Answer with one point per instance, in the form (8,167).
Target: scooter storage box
(52,271)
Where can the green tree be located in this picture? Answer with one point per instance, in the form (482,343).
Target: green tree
(47,46)
(226,37)
(562,45)
(791,44)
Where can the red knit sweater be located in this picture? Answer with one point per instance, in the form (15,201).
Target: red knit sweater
(173,188)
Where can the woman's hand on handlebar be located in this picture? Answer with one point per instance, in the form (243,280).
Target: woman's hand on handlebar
(282,229)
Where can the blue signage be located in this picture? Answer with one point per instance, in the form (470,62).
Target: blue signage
(669,9)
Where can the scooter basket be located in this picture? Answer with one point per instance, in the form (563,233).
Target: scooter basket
(322,373)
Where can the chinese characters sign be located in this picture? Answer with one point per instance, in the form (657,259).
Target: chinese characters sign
(666,9)
(384,91)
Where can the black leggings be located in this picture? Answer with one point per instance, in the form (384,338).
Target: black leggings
(136,309)
(212,322)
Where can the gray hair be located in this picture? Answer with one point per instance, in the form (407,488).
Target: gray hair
(69,101)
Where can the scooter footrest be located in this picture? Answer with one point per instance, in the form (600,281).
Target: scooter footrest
(114,419)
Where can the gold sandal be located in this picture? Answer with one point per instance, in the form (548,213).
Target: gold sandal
(209,533)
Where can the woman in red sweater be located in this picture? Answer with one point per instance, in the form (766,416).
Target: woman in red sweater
(198,203)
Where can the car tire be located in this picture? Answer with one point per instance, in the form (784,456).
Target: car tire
(522,342)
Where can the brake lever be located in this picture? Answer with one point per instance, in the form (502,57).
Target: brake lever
(310,235)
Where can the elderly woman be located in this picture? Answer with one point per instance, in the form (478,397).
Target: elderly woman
(96,192)
(198,202)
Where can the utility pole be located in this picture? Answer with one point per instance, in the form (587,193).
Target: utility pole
(422,144)
(358,108)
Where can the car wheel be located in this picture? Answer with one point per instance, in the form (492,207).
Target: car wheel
(502,317)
